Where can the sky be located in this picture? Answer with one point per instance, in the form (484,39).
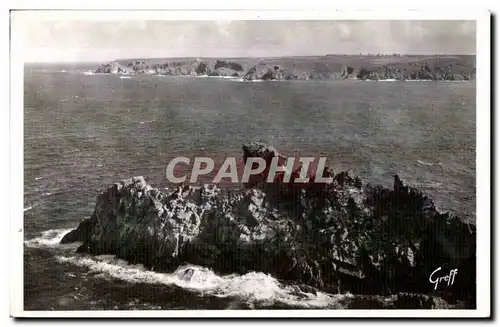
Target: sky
(83,40)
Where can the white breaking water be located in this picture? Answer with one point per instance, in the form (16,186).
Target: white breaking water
(49,238)
(252,288)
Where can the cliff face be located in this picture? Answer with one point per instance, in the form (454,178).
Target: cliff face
(266,72)
(339,237)
(317,68)
(416,72)
(193,67)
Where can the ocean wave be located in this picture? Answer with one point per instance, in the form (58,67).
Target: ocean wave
(425,163)
(125,77)
(30,207)
(252,288)
(221,77)
(49,238)
(429,184)
(380,80)
(252,80)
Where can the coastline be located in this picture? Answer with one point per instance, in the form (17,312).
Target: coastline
(337,67)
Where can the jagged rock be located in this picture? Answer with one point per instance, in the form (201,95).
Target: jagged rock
(343,236)
(202,69)
(266,72)
(419,301)
(347,72)
(225,71)
(114,68)
(234,66)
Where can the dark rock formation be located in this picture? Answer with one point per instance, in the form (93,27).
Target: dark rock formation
(337,237)
(226,68)
(419,301)
(224,71)
(264,72)
(268,72)
(347,72)
(228,64)
(114,68)
(202,69)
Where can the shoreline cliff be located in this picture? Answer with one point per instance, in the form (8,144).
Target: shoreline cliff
(449,68)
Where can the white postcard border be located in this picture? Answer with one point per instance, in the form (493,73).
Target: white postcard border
(482,165)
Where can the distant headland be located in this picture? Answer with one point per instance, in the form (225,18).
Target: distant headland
(362,67)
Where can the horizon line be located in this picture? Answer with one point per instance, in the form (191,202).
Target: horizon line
(256,57)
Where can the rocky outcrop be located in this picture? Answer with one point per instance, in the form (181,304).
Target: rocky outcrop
(224,71)
(202,69)
(229,65)
(342,236)
(114,68)
(347,72)
(226,68)
(267,73)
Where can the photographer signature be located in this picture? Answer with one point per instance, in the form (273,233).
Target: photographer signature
(449,278)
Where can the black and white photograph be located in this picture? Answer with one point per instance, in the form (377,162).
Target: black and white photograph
(300,165)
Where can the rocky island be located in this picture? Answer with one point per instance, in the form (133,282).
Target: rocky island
(363,67)
(346,236)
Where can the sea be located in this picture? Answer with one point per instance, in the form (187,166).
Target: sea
(84,131)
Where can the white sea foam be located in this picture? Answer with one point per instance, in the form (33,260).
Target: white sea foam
(253,80)
(381,80)
(425,163)
(253,287)
(220,77)
(29,208)
(429,184)
(49,238)
(125,77)
(89,73)
(39,177)
(229,77)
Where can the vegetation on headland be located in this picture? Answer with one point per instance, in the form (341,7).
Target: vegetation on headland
(364,67)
